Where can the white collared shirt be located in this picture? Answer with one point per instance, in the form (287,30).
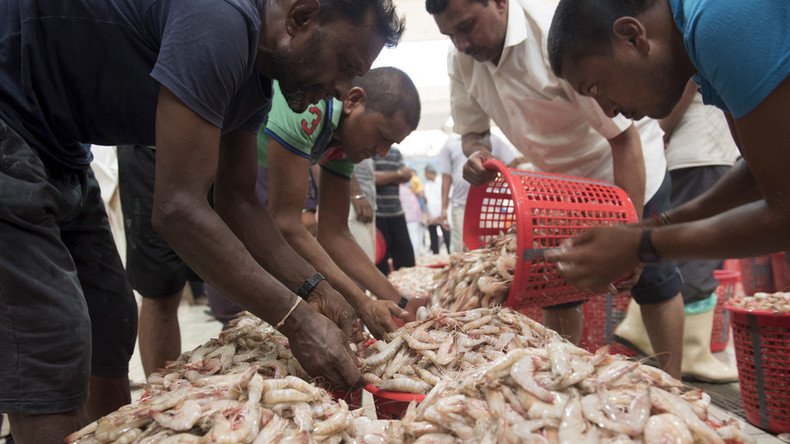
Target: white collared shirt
(701,138)
(554,127)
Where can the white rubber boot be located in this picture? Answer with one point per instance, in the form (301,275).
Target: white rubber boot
(698,361)
(632,333)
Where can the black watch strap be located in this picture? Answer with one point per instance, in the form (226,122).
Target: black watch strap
(309,285)
(403,302)
(647,253)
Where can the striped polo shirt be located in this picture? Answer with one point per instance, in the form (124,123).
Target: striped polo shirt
(388,196)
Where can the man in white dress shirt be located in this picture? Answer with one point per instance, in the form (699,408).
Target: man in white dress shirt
(500,71)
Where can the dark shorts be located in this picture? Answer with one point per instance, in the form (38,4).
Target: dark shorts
(152,267)
(688,183)
(658,282)
(66,310)
(396,235)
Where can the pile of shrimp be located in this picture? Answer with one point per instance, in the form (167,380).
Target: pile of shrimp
(240,387)
(433,260)
(421,353)
(477,278)
(413,281)
(778,303)
(561,393)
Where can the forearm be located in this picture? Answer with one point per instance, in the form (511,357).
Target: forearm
(313,252)
(209,246)
(629,166)
(255,226)
(670,122)
(749,230)
(350,257)
(473,142)
(738,187)
(447,182)
(388,177)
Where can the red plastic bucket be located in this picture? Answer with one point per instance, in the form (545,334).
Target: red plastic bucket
(762,352)
(720,333)
(547,208)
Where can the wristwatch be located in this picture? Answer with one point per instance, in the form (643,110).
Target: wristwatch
(647,253)
(309,285)
(403,302)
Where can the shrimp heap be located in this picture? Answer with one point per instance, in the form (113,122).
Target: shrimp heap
(240,387)
(778,303)
(421,353)
(478,278)
(561,393)
(433,260)
(413,281)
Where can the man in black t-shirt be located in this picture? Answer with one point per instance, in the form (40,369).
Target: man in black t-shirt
(193,78)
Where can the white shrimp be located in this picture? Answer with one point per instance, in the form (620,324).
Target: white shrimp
(386,354)
(523,372)
(405,384)
(337,422)
(666,428)
(181,418)
(573,425)
(668,402)
(272,397)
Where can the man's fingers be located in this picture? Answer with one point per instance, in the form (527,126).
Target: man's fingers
(350,374)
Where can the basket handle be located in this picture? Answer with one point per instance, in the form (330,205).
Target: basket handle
(494,164)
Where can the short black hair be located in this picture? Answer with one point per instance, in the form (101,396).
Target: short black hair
(582,28)
(386,21)
(390,91)
(438,6)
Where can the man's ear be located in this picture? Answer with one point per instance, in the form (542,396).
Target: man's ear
(355,97)
(302,14)
(631,32)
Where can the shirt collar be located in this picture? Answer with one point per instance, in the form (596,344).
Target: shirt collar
(516,24)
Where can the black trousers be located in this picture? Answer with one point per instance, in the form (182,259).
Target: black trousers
(433,233)
(396,235)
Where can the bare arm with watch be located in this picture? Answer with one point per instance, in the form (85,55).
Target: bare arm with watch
(287,189)
(337,240)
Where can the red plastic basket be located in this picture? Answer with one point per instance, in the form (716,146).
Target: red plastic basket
(762,352)
(756,275)
(602,314)
(392,405)
(720,334)
(547,209)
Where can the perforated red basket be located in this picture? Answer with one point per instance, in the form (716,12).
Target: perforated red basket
(602,314)
(547,208)
(762,352)
(720,334)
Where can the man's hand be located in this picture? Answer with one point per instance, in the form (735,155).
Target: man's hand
(323,351)
(363,209)
(443,220)
(474,171)
(597,258)
(404,174)
(332,305)
(378,315)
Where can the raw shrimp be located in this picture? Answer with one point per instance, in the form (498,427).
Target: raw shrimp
(523,372)
(181,418)
(666,429)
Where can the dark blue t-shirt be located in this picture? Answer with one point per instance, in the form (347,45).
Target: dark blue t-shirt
(90,71)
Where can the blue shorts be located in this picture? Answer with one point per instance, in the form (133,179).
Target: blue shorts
(661,281)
